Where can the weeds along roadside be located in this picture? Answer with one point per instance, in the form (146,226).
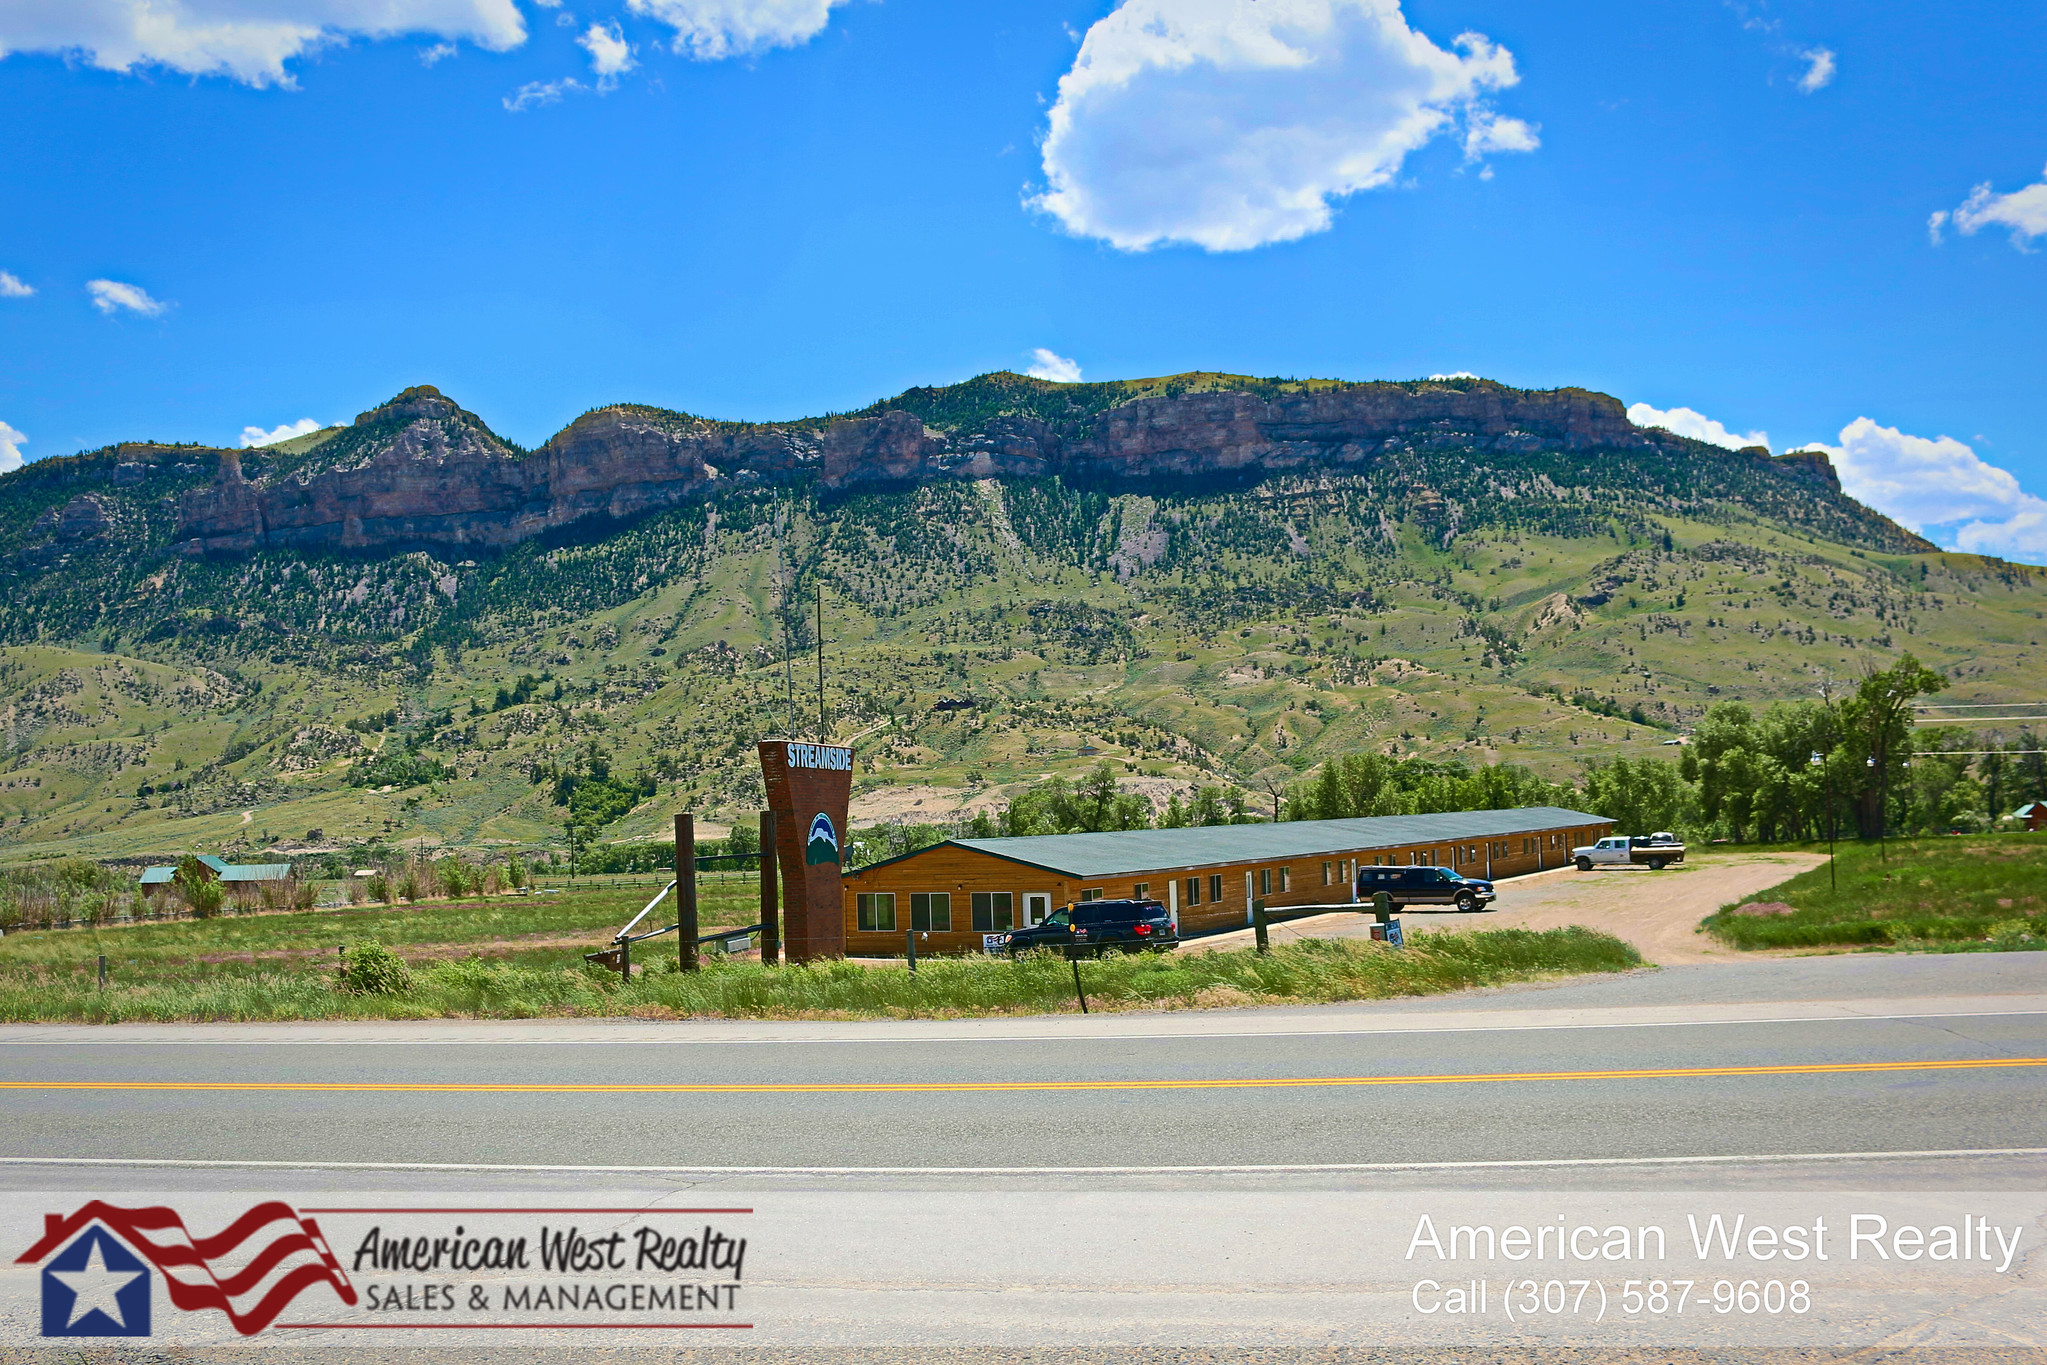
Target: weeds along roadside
(1308,972)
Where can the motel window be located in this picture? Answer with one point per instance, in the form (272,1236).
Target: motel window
(1327,869)
(1264,881)
(878,911)
(1215,888)
(931,910)
(1286,878)
(1093,893)
(1141,891)
(993,911)
(1193,891)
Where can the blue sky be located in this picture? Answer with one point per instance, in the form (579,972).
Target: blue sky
(270,210)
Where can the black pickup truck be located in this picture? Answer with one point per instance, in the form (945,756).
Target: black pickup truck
(1097,927)
(1425,886)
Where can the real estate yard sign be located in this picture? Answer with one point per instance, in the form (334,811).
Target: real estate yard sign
(809,786)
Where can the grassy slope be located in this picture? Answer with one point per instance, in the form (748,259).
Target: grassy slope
(1952,893)
(1194,636)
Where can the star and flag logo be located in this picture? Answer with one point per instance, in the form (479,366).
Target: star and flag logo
(96,1287)
(100,1262)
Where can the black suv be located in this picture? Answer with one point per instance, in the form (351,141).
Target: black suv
(1098,927)
(1425,886)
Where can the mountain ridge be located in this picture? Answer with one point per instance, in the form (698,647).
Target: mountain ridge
(422,472)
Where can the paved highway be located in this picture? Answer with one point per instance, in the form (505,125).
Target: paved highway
(1527,1077)
(1173,1187)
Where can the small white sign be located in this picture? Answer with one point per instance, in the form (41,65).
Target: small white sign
(992,943)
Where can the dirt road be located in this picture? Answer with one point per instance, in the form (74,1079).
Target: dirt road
(1658,912)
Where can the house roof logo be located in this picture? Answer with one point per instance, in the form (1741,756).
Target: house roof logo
(96,1287)
(823,844)
(95,1282)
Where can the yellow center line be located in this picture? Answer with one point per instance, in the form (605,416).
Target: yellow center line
(951,1087)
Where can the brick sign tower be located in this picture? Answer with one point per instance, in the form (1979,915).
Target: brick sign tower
(809,787)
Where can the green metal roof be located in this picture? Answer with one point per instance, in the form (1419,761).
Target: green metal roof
(256,872)
(1148,850)
(228,872)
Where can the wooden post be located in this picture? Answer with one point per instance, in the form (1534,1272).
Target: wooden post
(771,898)
(103,971)
(686,890)
(1258,927)
(909,949)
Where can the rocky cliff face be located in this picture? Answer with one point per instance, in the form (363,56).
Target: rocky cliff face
(421,471)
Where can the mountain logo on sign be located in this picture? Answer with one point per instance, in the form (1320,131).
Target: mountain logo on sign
(823,844)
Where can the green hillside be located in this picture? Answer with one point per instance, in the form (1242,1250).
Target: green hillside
(1547,608)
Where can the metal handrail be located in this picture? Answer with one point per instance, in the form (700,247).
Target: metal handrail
(620,936)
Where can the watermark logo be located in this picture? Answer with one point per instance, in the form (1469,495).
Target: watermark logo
(96,1287)
(95,1281)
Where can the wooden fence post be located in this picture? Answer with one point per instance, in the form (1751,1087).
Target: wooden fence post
(771,897)
(686,890)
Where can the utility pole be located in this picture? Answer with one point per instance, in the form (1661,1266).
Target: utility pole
(1827,777)
(788,635)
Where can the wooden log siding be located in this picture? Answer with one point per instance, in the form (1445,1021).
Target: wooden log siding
(961,872)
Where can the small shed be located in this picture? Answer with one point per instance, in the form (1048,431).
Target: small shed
(2033,815)
(159,879)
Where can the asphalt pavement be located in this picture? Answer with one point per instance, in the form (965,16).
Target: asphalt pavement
(1173,1187)
(1848,1054)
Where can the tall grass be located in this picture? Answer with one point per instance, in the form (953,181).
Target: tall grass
(1938,893)
(70,890)
(1312,971)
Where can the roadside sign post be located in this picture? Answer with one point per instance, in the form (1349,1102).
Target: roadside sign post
(685,894)
(771,895)
(910,949)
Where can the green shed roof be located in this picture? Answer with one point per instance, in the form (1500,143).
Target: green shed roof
(1148,850)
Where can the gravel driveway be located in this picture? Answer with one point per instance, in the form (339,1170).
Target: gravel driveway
(1658,912)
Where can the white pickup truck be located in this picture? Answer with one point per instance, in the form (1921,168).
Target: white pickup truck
(1656,852)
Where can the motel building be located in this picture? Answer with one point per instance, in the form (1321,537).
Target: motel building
(954,893)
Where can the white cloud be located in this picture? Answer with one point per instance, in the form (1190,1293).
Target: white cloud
(1697,425)
(1232,124)
(1819,70)
(610,55)
(111,296)
(1455,374)
(246,40)
(1053,366)
(710,30)
(1486,131)
(11,286)
(11,442)
(256,436)
(1940,488)
(2024,211)
(533,94)
(439,52)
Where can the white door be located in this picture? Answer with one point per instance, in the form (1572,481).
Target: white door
(1037,907)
